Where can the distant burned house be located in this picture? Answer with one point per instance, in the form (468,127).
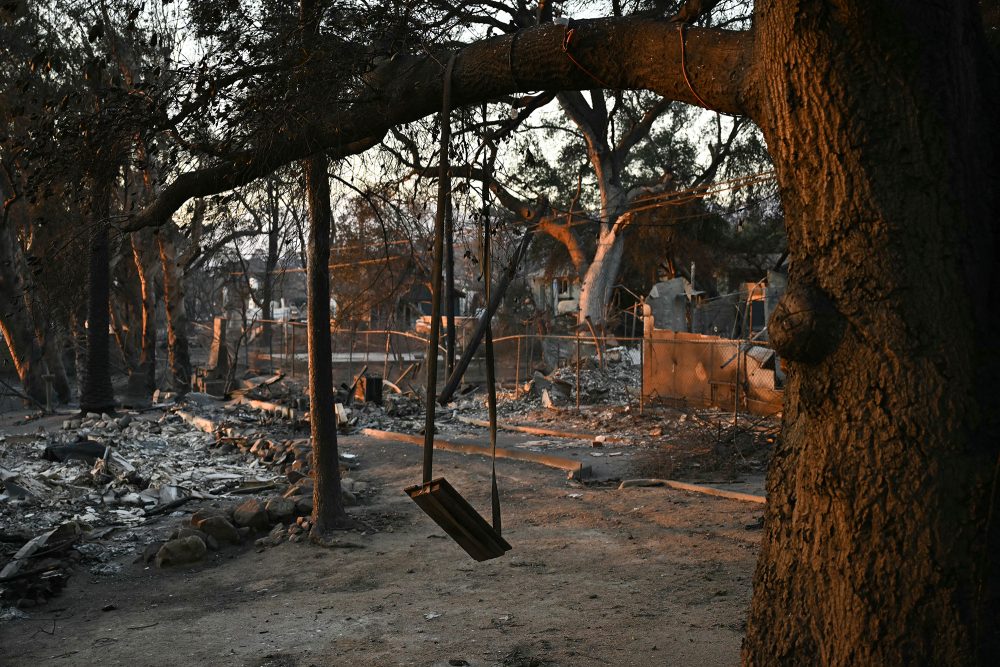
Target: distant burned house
(712,351)
(677,306)
(555,293)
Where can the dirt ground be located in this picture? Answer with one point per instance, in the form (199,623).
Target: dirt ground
(597,575)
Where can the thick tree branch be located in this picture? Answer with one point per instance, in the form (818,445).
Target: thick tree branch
(641,129)
(586,119)
(563,232)
(249,166)
(624,53)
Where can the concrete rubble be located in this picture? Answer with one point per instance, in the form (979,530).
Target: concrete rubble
(116,483)
(180,482)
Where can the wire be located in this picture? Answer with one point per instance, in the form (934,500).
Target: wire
(570,33)
(680,31)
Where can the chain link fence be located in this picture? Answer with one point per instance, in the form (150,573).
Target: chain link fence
(663,368)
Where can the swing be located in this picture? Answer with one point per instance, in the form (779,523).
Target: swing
(436,496)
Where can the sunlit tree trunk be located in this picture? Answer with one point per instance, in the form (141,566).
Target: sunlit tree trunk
(125,307)
(146,264)
(881,534)
(599,280)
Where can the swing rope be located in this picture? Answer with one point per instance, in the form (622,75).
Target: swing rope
(436,270)
(491,392)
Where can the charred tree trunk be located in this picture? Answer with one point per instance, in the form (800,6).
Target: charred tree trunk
(125,304)
(173,296)
(270,265)
(15,321)
(52,344)
(881,535)
(328,505)
(96,392)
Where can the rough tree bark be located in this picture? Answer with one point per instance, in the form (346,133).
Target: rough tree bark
(270,264)
(125,307)
(879,548)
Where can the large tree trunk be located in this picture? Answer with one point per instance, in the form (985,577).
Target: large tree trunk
(878,548)
(328,505)
(177,322)
(96,392)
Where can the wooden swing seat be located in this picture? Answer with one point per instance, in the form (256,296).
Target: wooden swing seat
(441,502)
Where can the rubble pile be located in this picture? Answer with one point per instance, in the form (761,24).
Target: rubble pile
(38,571)
(617,383)
(112,471)
(212,529)
(101,474)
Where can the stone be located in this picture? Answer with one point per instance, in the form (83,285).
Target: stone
(360,487)
(219,528)
(244,532)
(280,509)
(181,551)
(273,538)
(187,531)
(252,515)
(277,533)
(303,505)
(203,515)
(303,487)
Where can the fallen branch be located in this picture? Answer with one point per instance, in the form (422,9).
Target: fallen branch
(534,430)
(576,468)
(694,488)
(496,298)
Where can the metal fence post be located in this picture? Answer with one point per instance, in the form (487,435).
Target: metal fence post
(385,362)
(517,370)
(578,370)
(642,373)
